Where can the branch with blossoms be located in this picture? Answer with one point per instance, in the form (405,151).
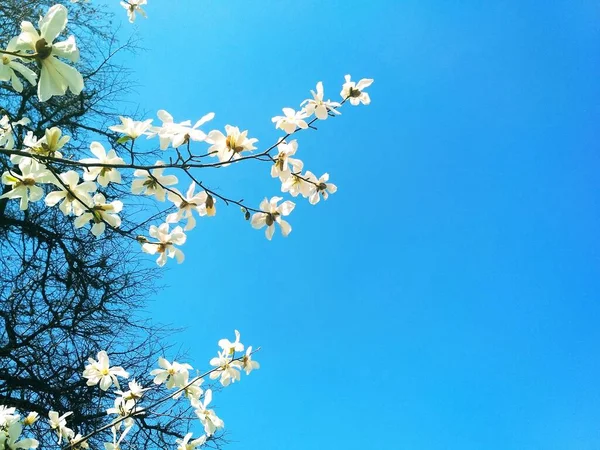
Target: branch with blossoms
(129,405)
(37,163)
(95,191)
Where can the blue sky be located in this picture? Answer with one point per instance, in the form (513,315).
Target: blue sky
(447,296)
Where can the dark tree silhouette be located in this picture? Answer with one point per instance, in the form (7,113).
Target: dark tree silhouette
(65,295)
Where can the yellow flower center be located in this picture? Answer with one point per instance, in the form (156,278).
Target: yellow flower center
(232,145)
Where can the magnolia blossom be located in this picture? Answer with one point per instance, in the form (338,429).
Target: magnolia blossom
(355,91)
(166,243)
(228,370)
(48,145)
(174,374)
(272,214)
(168,128)
(131,128)
(322,189)
(10,66)
(12,439)
(124,407)
(31,418)
(76,442)
(135,391)
(103,175)
(7,136)
(116,443)
(59,424)
(71,196)
(231,347)
(186,444)
(56,76)
(24,183)
(230,146)
(100,372)
(290,120)
(281,166)
(192,390)
(202,203)
(7,415)
(207,417)
(296,183)
(133,6)
(318,106)
(152,183)
(101,213)
(248,365)
(178,134)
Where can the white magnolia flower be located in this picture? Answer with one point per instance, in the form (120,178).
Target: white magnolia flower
(7,136)
(231,347)
(168,128)
(48,145)
(207,417)
(71,199)
(248,365)
(186,444)
(104,175)
(322,189)
(183,135)
(24,184)
(101,213)
(318,106)
(116,443)
(13,440)
(134,6)
(296,183)
(166,243)
(10,66)
(177,134)
(56,76)
(192,391)
(290,120)
(100,372)
(76,442)
(31,418)
(273,214)
(135,392)
(7,415)
(230,146)
(124,407)
(228,371)
(132,128)
(59,424)
(174,374)
(202,202)
(152,183)
(355,91)
(281,166)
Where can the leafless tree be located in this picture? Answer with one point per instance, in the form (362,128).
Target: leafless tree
(64,294)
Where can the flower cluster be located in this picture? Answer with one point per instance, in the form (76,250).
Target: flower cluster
(11,429)
(174,376)
(87,194)
(131,403)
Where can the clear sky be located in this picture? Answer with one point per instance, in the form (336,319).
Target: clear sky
(447,297)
